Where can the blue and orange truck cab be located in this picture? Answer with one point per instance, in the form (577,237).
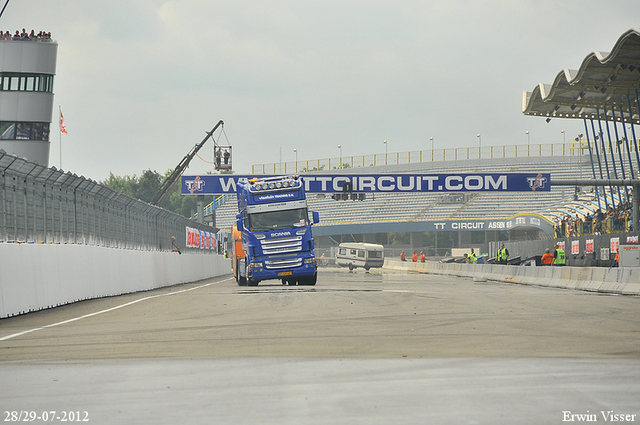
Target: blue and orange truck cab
(276,232)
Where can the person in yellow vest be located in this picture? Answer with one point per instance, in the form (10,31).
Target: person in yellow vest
(503,255)
(471,258)
(559,258)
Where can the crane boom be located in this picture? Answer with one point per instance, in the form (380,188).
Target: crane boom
(177,172)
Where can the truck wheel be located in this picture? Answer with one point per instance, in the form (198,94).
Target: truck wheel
(367,267)
(242,281)
(292,282)
(309,281)
(351,266)
(251,282)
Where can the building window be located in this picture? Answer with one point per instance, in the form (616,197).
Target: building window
(7,130)
(24,130)
(26,82)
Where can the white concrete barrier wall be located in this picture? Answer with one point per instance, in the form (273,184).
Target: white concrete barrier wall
(619,280)
(34,277)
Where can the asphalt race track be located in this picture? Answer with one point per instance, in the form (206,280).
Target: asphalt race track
(370,348)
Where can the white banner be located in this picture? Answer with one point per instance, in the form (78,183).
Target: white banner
(200,239)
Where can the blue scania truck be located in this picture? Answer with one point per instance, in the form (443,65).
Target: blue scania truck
(276,232)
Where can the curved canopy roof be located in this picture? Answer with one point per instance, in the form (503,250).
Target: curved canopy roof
(604,80)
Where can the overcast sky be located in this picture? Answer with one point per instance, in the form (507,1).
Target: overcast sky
(140,81)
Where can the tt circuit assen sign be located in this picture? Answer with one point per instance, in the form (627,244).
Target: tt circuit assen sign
(380,183)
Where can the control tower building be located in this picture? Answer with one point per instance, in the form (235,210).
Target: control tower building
(27,68)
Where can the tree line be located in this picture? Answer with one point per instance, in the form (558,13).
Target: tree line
(145,187)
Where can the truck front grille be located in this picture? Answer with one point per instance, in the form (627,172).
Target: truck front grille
(281,245)
(283,263)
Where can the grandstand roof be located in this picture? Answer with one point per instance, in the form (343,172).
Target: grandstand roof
(605,79)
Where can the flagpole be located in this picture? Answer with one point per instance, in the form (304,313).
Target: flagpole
(60,133)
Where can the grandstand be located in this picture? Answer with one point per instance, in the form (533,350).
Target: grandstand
(402,211)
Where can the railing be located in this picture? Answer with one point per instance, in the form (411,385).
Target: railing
(47,206)
(217,203)
(609,225)
(411,157)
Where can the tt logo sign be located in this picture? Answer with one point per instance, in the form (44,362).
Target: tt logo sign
(537,182)
(194,185)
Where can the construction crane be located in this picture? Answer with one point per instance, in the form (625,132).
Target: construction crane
(182,166)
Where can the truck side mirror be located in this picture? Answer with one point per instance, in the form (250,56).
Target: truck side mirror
(316,217)
(240,224)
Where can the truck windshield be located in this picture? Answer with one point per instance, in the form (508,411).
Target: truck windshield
(278,219)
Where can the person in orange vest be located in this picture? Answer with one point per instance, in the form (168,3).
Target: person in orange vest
(402,257)
(414,257)
(616,261)
(422,256)
(547,258)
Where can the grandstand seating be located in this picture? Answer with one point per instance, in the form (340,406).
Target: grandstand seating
(406,207)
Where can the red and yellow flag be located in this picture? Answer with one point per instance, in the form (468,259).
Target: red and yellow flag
(63,129)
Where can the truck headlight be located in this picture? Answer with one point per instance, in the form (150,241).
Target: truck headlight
(310,260)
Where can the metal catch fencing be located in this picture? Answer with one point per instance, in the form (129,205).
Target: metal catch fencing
(48,206)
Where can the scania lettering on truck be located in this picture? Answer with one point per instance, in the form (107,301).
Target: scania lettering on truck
(365,255)
(276,232)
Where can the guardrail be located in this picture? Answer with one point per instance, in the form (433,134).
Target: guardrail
(411,157)
(43,205)
(619,280)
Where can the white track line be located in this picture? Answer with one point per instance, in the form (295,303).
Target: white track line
(4,338)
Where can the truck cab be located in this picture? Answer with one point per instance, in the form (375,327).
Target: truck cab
(276,232)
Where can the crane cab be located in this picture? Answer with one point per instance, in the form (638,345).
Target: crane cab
(223,158)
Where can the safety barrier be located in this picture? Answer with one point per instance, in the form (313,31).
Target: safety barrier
(44,276)
(618,280)
(65,238)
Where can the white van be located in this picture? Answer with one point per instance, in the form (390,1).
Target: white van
(364,255)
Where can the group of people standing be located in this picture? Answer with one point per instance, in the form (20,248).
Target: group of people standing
(414,257)
(219,157)
(25,36)
(558,258)
(501,258)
